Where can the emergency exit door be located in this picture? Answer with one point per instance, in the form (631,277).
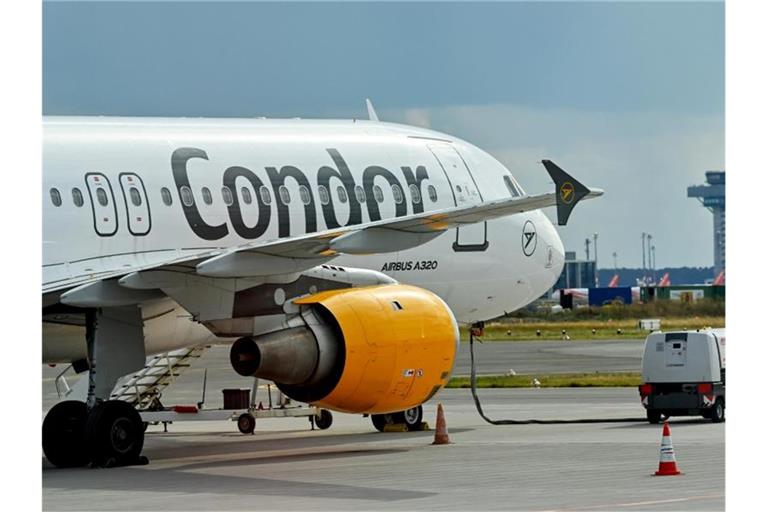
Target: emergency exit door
(136,204)
(102,203)
(472,237)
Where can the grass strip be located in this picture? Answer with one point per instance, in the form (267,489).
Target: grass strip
(566,380)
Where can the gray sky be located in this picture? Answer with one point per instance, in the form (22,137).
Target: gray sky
(626,96)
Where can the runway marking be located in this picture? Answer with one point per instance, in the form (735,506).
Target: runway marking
(639,503)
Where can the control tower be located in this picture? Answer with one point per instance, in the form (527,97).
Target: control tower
(712,196)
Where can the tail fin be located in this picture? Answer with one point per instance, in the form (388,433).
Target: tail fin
(568,191)
(720,279)
(664,280)
(614,281)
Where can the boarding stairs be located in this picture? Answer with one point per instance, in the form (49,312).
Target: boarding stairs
(142,388)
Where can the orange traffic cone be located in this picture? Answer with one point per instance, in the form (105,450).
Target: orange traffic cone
(667,462)
(441,431)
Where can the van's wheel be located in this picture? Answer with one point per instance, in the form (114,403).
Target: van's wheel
(717,412)
(324,419)
(64,434)
(411,417)
(115,434)
(653,416)
(246,423)
(380,421)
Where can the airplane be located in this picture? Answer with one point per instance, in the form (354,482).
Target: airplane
(338,257)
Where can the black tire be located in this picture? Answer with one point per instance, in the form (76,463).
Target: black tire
(115,434)
(64,434)
(380,421)
(324,420)
(412,417)
(246,423)
(717,412)
(654,416)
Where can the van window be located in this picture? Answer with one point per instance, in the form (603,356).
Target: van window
(55,197)
(77,197)
(207,197)
(166,195)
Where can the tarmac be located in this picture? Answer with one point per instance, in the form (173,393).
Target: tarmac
(287,466)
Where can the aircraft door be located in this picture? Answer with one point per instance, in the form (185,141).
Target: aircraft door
(102,203)
(136,204)
(473,237)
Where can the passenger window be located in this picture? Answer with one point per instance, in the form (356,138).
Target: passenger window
(432,191)
(186,196)
(101,196)
(415,194)
(285,195)
(323,193)
(166,196)
(226,195)
(135,196)
(342,193)
(207,196)
(359,194)
(511,187)
(266,197)
(55,197)
(77,197)
(247,199)
(397,193)
(378,194)
(304,193)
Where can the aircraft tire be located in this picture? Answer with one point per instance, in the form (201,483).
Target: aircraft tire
(115,434)
(246,423)
(412,417)
(380,421)
(324,420)
(64,440)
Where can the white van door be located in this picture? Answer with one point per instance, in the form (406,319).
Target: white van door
(675,352)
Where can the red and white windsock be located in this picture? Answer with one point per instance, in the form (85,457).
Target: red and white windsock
(667,462)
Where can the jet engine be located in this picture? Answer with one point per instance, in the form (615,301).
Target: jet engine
(375,349)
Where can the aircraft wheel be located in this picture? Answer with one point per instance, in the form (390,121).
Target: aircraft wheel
(64,434)
(246,423)
(411,417)
(324,420)
(380,421)
(115,434)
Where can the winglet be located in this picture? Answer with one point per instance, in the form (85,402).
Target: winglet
(371,112)
(568,191)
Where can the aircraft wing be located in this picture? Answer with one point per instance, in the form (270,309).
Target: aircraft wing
(296,254)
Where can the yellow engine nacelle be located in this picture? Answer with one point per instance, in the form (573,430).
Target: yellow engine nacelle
(375,349)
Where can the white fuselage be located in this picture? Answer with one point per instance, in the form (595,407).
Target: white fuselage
(130,193)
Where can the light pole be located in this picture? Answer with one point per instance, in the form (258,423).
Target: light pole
(597,275)
(643,257)
(650,266)
(615,265)
(653,262)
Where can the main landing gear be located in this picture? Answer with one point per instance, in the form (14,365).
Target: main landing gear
(102,432)
(411,418)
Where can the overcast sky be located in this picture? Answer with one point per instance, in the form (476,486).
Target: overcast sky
(626,96)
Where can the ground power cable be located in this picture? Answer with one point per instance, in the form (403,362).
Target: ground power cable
(473,381)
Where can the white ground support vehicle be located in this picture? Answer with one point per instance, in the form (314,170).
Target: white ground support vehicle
(684,374)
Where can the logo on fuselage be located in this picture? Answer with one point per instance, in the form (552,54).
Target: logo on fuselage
(529,238)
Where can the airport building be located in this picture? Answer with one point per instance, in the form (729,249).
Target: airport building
(576,273)
(712,197)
